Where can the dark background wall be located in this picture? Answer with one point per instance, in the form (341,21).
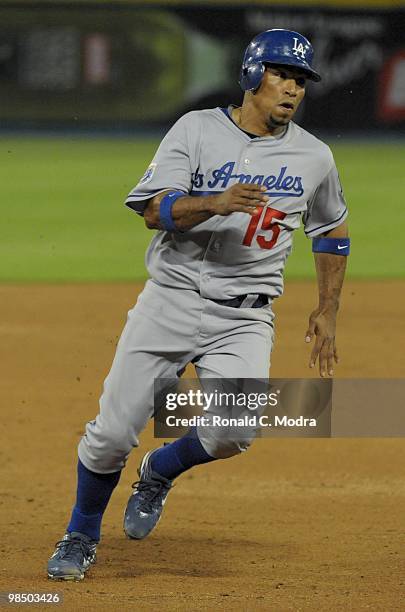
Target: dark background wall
(143,64)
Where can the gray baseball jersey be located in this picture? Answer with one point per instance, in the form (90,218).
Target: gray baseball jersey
(204,153)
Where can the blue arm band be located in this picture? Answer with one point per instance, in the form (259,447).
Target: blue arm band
(165,210)
(336,246)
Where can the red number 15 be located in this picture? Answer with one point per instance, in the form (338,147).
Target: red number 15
(269,223)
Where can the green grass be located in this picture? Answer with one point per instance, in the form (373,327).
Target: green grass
(373,182)
(63,219)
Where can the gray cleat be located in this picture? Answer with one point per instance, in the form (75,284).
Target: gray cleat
(146,503)
(72,557)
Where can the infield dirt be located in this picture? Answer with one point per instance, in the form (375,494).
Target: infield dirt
(293,524)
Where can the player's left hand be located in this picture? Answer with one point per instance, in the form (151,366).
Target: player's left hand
(322,324)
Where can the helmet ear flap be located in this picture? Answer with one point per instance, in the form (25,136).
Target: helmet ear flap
(251,76)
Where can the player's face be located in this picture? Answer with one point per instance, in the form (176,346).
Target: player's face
(280,94)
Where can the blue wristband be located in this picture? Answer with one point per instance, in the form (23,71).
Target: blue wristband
(165,210)
(336,246)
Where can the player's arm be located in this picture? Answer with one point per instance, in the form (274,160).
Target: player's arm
(330,271)
(189,211)
(172,167)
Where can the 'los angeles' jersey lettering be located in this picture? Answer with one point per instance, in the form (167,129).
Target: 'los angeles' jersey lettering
(278,184)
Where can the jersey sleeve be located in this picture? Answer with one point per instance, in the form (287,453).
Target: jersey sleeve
(326,208)
(170,168)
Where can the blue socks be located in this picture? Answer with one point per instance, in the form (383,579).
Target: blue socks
(94,490)
(93,494)
(175,458)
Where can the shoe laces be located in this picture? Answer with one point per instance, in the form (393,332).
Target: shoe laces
(151,490)
(70,546)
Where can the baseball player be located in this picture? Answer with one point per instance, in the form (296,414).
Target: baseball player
(225,191)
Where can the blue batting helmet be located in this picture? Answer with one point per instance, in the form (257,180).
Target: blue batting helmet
(276,47)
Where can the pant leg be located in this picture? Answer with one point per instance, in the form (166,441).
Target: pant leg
(157,341)
(239,348)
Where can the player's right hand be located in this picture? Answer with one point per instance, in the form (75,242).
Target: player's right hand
(244,198)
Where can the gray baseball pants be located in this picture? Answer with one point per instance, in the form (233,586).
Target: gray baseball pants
(167,329)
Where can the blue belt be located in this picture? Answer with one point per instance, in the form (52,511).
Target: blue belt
(262,300)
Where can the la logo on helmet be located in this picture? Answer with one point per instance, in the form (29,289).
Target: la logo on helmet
(299,48)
